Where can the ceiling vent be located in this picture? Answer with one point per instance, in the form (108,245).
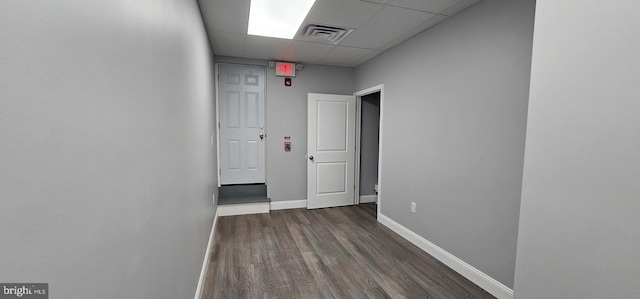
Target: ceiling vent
(324,34)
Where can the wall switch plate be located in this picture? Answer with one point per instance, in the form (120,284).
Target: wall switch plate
(214,199)
(413,207)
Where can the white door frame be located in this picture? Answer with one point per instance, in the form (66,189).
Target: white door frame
(359,95)
(217,122)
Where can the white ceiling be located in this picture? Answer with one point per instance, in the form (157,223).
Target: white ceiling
(377,26)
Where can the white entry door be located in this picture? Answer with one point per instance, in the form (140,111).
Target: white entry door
(242,132)
(331,150)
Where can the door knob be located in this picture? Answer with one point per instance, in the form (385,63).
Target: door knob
(311,158)
(261,135)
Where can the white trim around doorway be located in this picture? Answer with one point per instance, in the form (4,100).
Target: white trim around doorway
(359,95)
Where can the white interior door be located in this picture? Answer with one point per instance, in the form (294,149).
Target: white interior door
(331,150)
(241,103)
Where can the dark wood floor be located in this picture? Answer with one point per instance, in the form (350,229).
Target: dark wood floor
(327,253)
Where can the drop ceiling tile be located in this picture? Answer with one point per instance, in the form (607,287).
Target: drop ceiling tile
(307,52)
(377,1)
(344,56)
(342,13)
(424,26)
(227,44)
(385,26)
(435,6)
(260,47)
(459,7)
(366,58)
(226,16)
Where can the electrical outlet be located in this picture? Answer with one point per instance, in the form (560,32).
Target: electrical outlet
(413,207)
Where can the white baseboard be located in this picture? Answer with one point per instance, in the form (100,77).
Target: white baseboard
(207,255)
(243,209)
(288,204)
(483,280)
(368,198)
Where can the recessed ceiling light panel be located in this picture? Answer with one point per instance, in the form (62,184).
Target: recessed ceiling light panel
(277,18)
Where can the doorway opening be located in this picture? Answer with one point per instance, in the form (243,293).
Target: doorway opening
(240,105)
(368,146)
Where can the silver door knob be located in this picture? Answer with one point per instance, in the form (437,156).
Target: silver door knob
(311,158)
(261,135)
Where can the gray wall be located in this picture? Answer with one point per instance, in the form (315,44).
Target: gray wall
(106,168)
(454,117)
(369,143)
(580,219)
(287,116)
